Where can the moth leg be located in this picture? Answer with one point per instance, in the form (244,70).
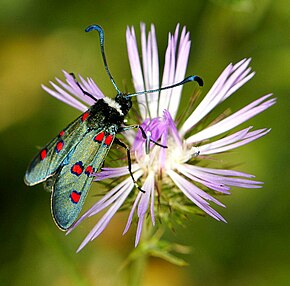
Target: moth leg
(144,135)
(122,144)
(78,84)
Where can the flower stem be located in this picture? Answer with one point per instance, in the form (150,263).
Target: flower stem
(140,257)
(137,270)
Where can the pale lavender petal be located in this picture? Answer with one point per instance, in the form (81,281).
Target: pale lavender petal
(144,55)
(91,88)
(189,190)
(95,89)
(103,222)
(172,127)
(72,87)
(148,187)
(139,230)
(237,136)
(243,183)
(223,172)
(107,173)
(238,64)
(136,69)
(143,205)
(174,71)
(217,186)
(153,70)
(181,65)
(214,185)
(230,80)
(111,196)
(114,193)
(77,92)
(249,137)
(66,98)
(70,93)
(168,74)
(129,221)
(147,59)
(212,177)
(202,108)
(244,78)
(233,120)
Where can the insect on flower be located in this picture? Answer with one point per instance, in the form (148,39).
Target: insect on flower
(182,179)
(69,161)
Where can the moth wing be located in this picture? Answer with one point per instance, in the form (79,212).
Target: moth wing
(57,152)
(74,180)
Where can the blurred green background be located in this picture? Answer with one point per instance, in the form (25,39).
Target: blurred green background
(40,38)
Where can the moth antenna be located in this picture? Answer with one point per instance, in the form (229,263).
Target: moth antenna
(186,80)
(100,30)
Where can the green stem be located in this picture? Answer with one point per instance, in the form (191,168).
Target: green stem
(137,269)
(139,262)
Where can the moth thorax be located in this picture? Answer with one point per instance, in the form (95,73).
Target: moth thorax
(124,102)
(114,104)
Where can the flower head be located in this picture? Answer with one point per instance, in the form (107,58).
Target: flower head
(170,175)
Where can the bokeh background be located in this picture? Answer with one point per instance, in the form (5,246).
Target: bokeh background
(40,38)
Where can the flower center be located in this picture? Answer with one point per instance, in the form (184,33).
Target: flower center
(160,158)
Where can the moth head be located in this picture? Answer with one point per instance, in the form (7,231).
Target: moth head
(125,102)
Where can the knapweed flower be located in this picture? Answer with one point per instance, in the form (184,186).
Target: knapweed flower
(178,175)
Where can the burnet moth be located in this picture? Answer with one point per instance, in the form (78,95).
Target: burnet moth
(68,162)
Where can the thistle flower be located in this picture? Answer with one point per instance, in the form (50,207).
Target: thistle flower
(177,171)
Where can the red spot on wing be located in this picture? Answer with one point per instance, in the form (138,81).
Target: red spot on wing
(59,146)
(77,168)
(99,138)
(109,140)
(43,154)
(85,116)
(75,196)
(61,133)
(89,170)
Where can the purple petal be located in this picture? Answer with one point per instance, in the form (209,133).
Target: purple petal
(148,188)
(136,70)
(212,184)
(213,148)
(233,120)
(143,205)
(139,229)
(110,197)
(176,60)
(66,98)
(153,72)
(132,213)
(172,127)
(124,191)
(212,177)
(222,172)
(190,191)
(229,81)
(107,173)
(76,91)
(70,93)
